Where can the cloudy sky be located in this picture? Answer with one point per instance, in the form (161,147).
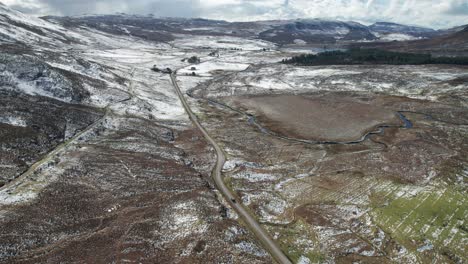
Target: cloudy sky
(430,13)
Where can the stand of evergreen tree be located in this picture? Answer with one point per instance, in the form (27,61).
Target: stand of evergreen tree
(194,60)
(371,56)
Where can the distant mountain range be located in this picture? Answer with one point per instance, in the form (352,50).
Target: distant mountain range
(15,26)
(452,42)
(392,28)
(300,31)
(313,31)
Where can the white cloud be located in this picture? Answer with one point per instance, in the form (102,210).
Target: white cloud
(433,13)
(29,6)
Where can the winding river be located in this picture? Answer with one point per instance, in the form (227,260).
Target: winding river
(251,119)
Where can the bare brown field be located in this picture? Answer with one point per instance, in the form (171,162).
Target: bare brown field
(326,117)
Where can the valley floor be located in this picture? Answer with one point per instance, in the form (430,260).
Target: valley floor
(100,162)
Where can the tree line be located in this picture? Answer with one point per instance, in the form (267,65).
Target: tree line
(371,56)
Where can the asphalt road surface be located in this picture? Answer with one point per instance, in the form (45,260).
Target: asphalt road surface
(253,225)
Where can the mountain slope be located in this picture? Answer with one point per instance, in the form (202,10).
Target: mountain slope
(451,44)
(300,31)
(17,27)
(143,27)
(317,31)
(453,30)
(385,28)
(98,155)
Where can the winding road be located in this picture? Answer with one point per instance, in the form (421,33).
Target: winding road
(253,225)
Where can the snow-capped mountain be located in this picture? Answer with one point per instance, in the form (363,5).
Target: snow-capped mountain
(37,59)
(300,31)
(277,31)
(392,31)
(18,27)
(316,30)
(454,29)
(389,28)
(452,42)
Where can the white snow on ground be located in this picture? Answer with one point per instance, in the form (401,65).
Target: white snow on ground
(250,248)
(273,209)
(397,37)
(149,94)
(307,72)
(7,198)
(205,69)
(270,83)
(72,66)
(26,19)
(441,76)
(301,50)
(252,176)
(51,33)
(411,81)
(18,34)
(271,206)
(188,82)
(30,87)
(152,93)
(462,177)
(180,221)
(251,57)
(24,191)
(299,42)
(303,260)
(427,246)
(13,121)
(232,232)
(279,186)
(221,42)
(231,164)
(200,29)
(412,191)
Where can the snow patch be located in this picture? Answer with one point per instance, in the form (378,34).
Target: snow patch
(13,121)
(303,260)
(398,37)
(253,176)
(305,72)
(299,42)
(206,68)
(250,248)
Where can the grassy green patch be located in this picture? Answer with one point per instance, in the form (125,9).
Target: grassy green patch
(228,181)
(437,216)
(297,239)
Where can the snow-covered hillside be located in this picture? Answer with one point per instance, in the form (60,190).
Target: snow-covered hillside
(393,31)
(317,31)
(17,27)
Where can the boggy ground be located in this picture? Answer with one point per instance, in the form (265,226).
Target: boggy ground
(333,117)
(395,197)
(131,190)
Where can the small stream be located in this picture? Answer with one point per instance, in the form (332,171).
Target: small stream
(251,119)
(407,123)
(379,131)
